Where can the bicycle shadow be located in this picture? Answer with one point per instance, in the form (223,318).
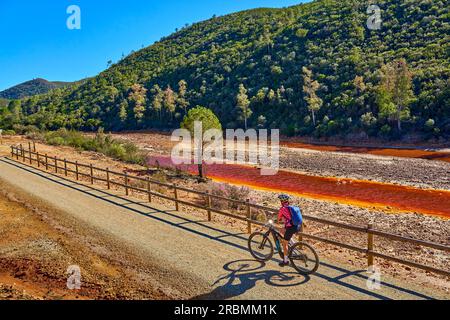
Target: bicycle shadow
(245,276)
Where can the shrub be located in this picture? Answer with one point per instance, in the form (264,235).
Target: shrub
(56,141)
(230,192)
(102,143)
(116,151)
(9,132)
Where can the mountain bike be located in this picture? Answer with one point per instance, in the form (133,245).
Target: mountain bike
(302,256)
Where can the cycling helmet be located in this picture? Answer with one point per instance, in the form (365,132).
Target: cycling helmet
(284,197)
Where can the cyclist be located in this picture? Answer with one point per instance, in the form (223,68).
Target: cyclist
(285,216)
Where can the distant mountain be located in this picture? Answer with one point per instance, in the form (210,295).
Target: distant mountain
(31,88)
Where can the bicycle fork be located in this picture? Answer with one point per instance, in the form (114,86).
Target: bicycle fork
(265,238)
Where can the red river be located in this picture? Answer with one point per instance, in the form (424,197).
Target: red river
(393,198)
(392,152)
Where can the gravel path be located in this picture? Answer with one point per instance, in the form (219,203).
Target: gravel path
(195,259)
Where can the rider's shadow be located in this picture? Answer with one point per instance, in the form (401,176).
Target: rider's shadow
(245,277)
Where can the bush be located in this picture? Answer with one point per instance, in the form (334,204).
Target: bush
(116,151)
(102,143)
(56,141)
(230,192)
(21,129)
(385,130)
(9,133)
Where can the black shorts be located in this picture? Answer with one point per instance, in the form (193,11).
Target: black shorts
(290,232)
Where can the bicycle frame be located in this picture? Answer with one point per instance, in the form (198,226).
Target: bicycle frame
(277,239)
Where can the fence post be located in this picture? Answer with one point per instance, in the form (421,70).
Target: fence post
(208,205)
(149,190)
(126,184)
(38,159)
(46,162)
(12,152)
(107,179)
(175,191)
(369,245)
(65,167)
(76,170)
(56,164)
(34,146)
(17,154)
(31,157)
(23,152)
(92,173)
(249,217)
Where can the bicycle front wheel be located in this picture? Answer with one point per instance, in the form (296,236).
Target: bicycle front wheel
(304,258)
(260,247)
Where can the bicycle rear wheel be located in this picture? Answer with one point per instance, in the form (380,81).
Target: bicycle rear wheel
(304,258)
(260,247)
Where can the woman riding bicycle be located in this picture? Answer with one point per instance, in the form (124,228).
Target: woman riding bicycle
(290,229)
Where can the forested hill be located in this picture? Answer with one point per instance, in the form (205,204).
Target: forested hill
(311,69)
(31,88)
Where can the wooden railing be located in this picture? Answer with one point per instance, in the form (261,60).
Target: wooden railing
(66,167)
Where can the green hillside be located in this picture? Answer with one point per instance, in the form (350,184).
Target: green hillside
(290,62)
(31,88)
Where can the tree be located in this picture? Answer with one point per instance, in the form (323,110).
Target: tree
(243,104)
(209,121)
(169,101)
(123,113)
(262,120)
(359,84)
(266,39)
(310,88)
(182,91)
(368,119)
(395,92)
(157,102)
(138,97)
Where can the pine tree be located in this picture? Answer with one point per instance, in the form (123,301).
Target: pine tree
(157,102)
(310,88)
(182,91)
(123,113)
(395,92)
(169,101)
(138,97)
(243,104)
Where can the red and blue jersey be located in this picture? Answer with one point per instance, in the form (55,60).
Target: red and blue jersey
(285,215)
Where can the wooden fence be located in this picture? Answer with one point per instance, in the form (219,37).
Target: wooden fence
(66,167)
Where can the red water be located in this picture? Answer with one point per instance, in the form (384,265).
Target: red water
(404,153)
(348,191)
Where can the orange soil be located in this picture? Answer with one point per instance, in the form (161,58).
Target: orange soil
(394,198)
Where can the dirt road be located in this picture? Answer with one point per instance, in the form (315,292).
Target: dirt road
(191,257)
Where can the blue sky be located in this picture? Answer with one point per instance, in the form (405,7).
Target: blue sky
(36,43)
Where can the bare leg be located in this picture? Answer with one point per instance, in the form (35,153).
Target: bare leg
(285,245)
(285,249)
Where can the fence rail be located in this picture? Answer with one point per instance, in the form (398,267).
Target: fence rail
(62,166)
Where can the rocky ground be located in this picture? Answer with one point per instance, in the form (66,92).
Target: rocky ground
(410,172)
